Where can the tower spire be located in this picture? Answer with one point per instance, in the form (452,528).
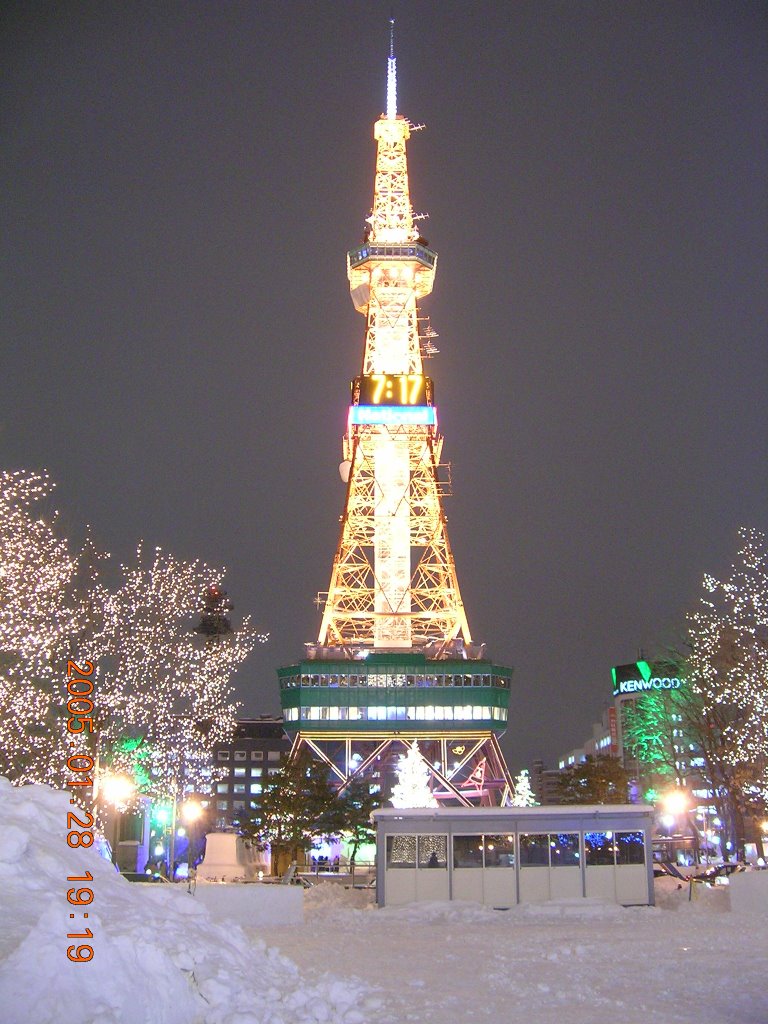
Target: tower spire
(391,74)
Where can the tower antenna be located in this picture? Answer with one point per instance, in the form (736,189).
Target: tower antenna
(391,74)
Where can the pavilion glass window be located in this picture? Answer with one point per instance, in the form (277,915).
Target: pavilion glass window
(598,849)
(630,848)
(564,849)
(433,851)
(534,849)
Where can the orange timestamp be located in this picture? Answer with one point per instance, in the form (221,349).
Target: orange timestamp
(79,822)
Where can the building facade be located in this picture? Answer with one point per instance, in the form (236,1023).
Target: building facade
(245,764)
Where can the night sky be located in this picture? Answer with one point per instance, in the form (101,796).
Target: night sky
(180,184)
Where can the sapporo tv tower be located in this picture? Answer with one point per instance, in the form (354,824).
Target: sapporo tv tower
(394,661)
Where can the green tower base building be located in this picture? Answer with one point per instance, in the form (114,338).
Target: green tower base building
(359,716)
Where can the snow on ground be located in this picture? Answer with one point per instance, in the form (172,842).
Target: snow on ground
(577,961)
(160,959)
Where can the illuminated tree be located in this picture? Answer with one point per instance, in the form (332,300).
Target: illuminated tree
(524,796)
(719,716)
(162,698)
(412,786)
(728,671)
(37,617)
(650,730)
(156,684)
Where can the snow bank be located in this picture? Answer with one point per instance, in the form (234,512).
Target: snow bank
(701,899)
(327,897)
(158,957)
(256,905)
(748,893)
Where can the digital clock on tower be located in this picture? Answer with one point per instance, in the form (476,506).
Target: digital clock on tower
(393,389)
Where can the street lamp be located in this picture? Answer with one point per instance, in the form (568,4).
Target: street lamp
(675,804)
(117,790)
(191,811)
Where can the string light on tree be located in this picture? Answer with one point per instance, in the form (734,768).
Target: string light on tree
(412,786)
(728,666)
(38,615)
(161,700)
(524,796)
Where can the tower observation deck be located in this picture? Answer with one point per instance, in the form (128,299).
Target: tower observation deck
(394,660)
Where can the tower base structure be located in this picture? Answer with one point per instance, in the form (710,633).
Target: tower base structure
(360,716)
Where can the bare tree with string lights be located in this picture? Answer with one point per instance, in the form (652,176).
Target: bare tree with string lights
(37,618)
(161,698)
(727,666)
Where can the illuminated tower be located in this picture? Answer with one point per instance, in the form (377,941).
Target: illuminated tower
(394,652)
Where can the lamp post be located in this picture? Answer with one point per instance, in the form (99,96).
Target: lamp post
(117,790)
(675,804)
(191,810)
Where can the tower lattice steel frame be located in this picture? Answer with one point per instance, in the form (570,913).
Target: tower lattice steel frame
(394,644)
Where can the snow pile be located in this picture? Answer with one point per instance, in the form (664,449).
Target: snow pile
(457,912)
(582,909)
(701,899)
(327,897)
(157,957)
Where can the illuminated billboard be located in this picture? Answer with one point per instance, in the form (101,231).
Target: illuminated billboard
(644,677)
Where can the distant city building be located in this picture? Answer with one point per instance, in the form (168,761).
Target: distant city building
(248,760)
(602,743)
(545,783)
(632,682)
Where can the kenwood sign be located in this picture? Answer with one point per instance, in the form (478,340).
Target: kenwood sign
(643,685)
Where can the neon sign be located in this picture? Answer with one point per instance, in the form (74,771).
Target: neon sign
(643,685)
(421,415)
